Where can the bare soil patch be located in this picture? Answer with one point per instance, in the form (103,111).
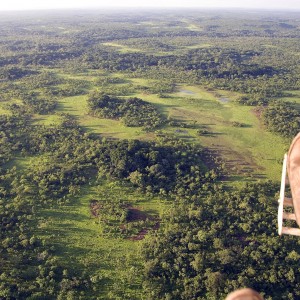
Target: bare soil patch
(257,111)
(141,219)
(94,208)
(135,214)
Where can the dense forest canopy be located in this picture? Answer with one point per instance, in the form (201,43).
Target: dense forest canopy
(136,152)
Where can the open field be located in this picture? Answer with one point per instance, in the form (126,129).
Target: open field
(249,151)
(122,48)
(200,171)
(78,236)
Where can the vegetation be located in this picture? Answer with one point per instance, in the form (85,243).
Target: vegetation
(125,144)
(282,118)
(134,112)
(202,256)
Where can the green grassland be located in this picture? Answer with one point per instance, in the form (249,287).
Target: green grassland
(122,48)
(112,261)
(47,120)
(3,106)
(78,237)
(80,242)
(206,117)
(250,153)
(4,111)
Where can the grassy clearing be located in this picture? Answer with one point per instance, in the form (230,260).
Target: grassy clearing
(127,49)
(81,244)
(294,97)
(194,27)
(3,106)
(110,128)
(20,162)
(89,76)
(250,149)
(77,106)
(249,152)
(141,81)
(4,111)
(47,120)
(122,48)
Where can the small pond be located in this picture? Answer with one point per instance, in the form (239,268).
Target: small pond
(187,92)
(224,100)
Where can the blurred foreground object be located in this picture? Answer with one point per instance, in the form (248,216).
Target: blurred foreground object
(244,294)
(290,175)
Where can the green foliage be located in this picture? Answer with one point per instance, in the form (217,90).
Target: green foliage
(42,80)
(14,72)
(218,244)
(40,106)
(119,218)
(203,131)
(282,118)
(71,88)
(173,167)
(69,158)
(253,100)
(238,124)
(211,241)
(133,112)
(105,106)
(28,267)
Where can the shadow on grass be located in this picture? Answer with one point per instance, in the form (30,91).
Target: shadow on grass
(296,105)
(81,258)
(64,215)
(163,108)
(244,126)
(91,128)
(213,134)
(260,176)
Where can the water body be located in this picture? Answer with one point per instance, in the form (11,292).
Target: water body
(224,100)
(187,92)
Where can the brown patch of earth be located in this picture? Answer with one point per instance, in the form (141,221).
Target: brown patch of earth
(135,214)
(141,235)
(236,164)
(94,207)
(257,111)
